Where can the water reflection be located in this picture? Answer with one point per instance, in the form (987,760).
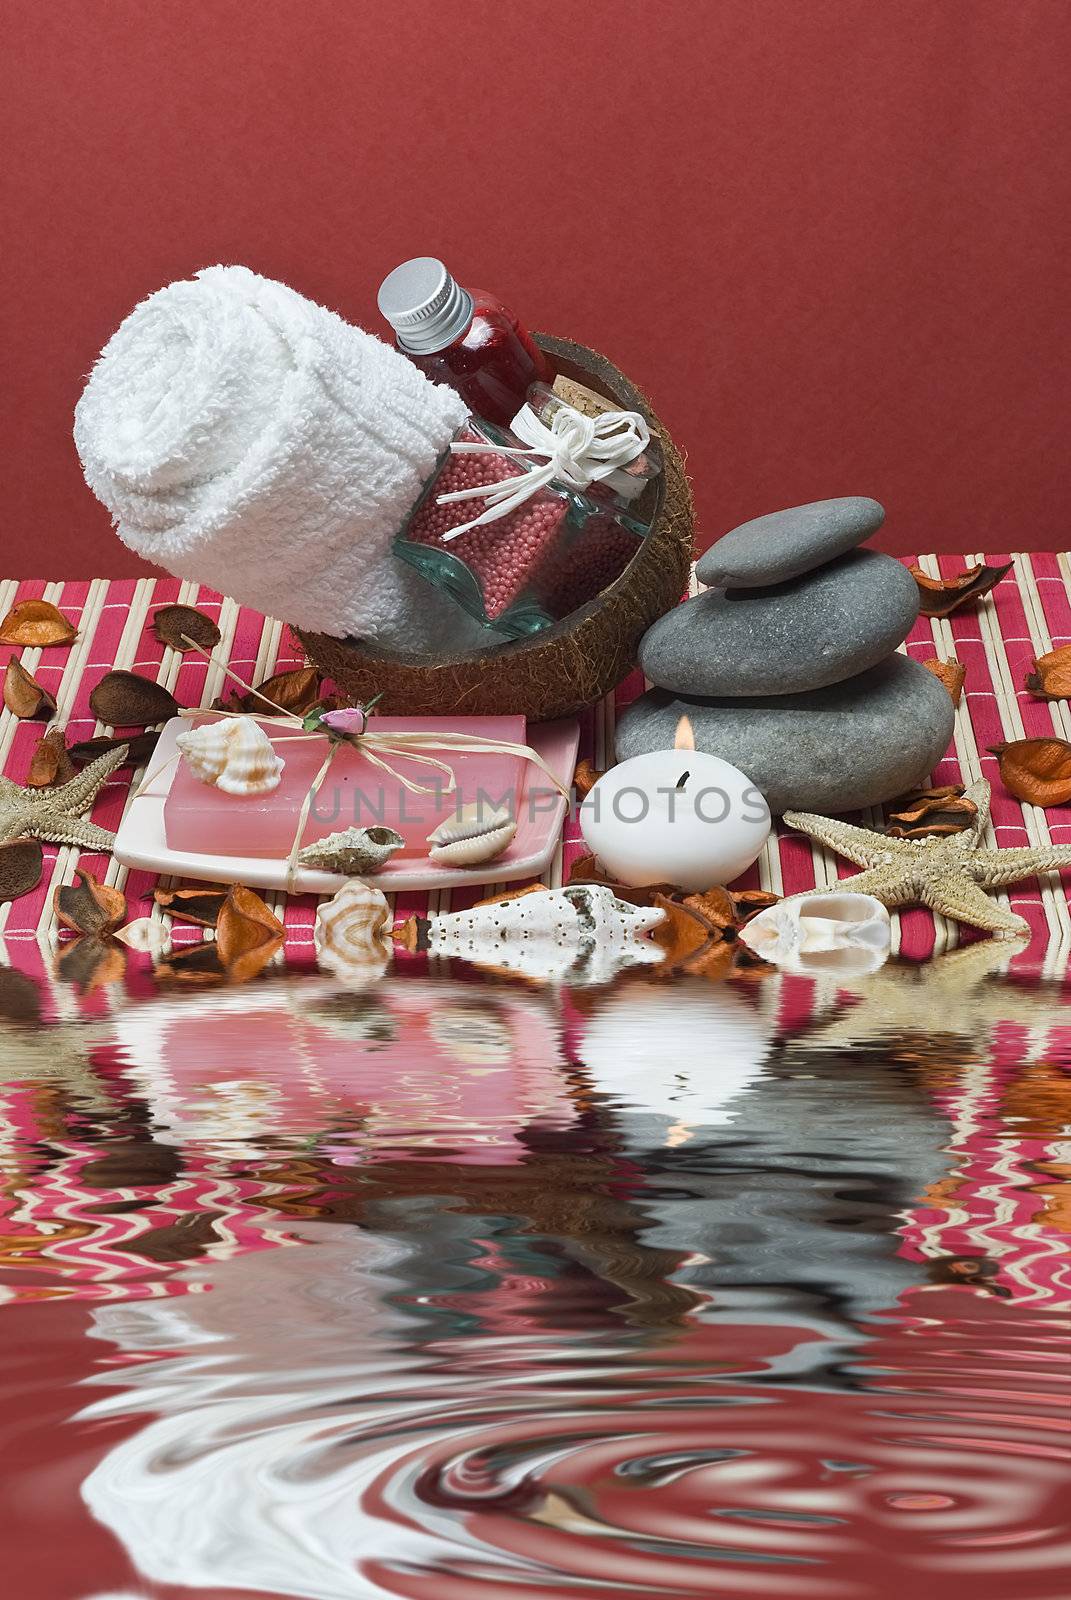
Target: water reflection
(458,1288)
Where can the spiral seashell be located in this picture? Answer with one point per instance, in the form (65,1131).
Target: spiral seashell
(583,933)
(474,835)
(818,933)
(353,851)
(235,755)
(353,934)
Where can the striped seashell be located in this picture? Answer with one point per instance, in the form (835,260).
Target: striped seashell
(474,835)
(353,851)
(353,934)
(235,755)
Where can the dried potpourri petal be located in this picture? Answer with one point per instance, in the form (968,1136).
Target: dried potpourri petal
(184,628)
(20,996)
(140,747)
(715,906)
(1051,677)
(91,963)
(927,813)
(201,905)
(683,932)
(715,961)
(50,763)
(585,778)
(89,906)
(250,962)
(191,964)
(24,696)
(939,597)
(1036,770)
(749,902)
(951,673)
(21,864)
(127,700)
(244,924)
(37,624)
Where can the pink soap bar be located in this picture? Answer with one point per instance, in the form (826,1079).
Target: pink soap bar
(201,819)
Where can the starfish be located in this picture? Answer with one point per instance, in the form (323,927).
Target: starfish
(950,875)
(964,994)
(56,815)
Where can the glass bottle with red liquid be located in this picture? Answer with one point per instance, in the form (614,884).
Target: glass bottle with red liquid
(462,337)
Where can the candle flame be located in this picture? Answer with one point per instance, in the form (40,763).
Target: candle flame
(685,739)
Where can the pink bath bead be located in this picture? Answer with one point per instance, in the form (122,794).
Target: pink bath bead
(534,551)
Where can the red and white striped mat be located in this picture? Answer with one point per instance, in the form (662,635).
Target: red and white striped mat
(1027,614)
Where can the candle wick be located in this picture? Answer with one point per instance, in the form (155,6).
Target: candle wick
(683,779)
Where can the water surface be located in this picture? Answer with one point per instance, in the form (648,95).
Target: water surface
(462,1289)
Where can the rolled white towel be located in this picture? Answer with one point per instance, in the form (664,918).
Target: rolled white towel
(248,439)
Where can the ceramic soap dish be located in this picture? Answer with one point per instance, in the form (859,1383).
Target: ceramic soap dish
(141,841)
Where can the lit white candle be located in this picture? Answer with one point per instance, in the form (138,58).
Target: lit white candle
(675,816)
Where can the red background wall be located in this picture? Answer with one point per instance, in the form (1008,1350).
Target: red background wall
(829,237)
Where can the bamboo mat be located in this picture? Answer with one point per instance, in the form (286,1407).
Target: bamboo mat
(997,640)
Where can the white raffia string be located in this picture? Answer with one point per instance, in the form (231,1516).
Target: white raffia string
(372,746)
(576,450)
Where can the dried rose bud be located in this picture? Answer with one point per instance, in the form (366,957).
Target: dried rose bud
(350,719)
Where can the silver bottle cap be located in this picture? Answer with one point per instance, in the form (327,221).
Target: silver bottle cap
(424,306)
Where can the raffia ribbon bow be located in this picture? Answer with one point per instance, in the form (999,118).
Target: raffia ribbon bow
(374,747)
(576,450)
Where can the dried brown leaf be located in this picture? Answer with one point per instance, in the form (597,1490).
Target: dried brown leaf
(140,747)
(939,597)
(244,924)
(1051,677)
(21,865)
(89,906)
(50,763)
(36,623)
(91,963)
(201,906)
(951,674)
(182,627)
(127,700)
(24,696)
(1036,770)
(584,779)
(297,691)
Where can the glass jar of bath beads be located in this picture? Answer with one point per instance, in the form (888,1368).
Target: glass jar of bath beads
(517,555)
(462,337)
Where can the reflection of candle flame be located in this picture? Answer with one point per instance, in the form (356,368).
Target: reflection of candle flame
(685,739)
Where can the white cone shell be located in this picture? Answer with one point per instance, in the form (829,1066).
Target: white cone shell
(822,933)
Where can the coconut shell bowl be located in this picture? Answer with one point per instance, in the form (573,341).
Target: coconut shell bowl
(578,660)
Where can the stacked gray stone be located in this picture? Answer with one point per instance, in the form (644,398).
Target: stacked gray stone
(787,666)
